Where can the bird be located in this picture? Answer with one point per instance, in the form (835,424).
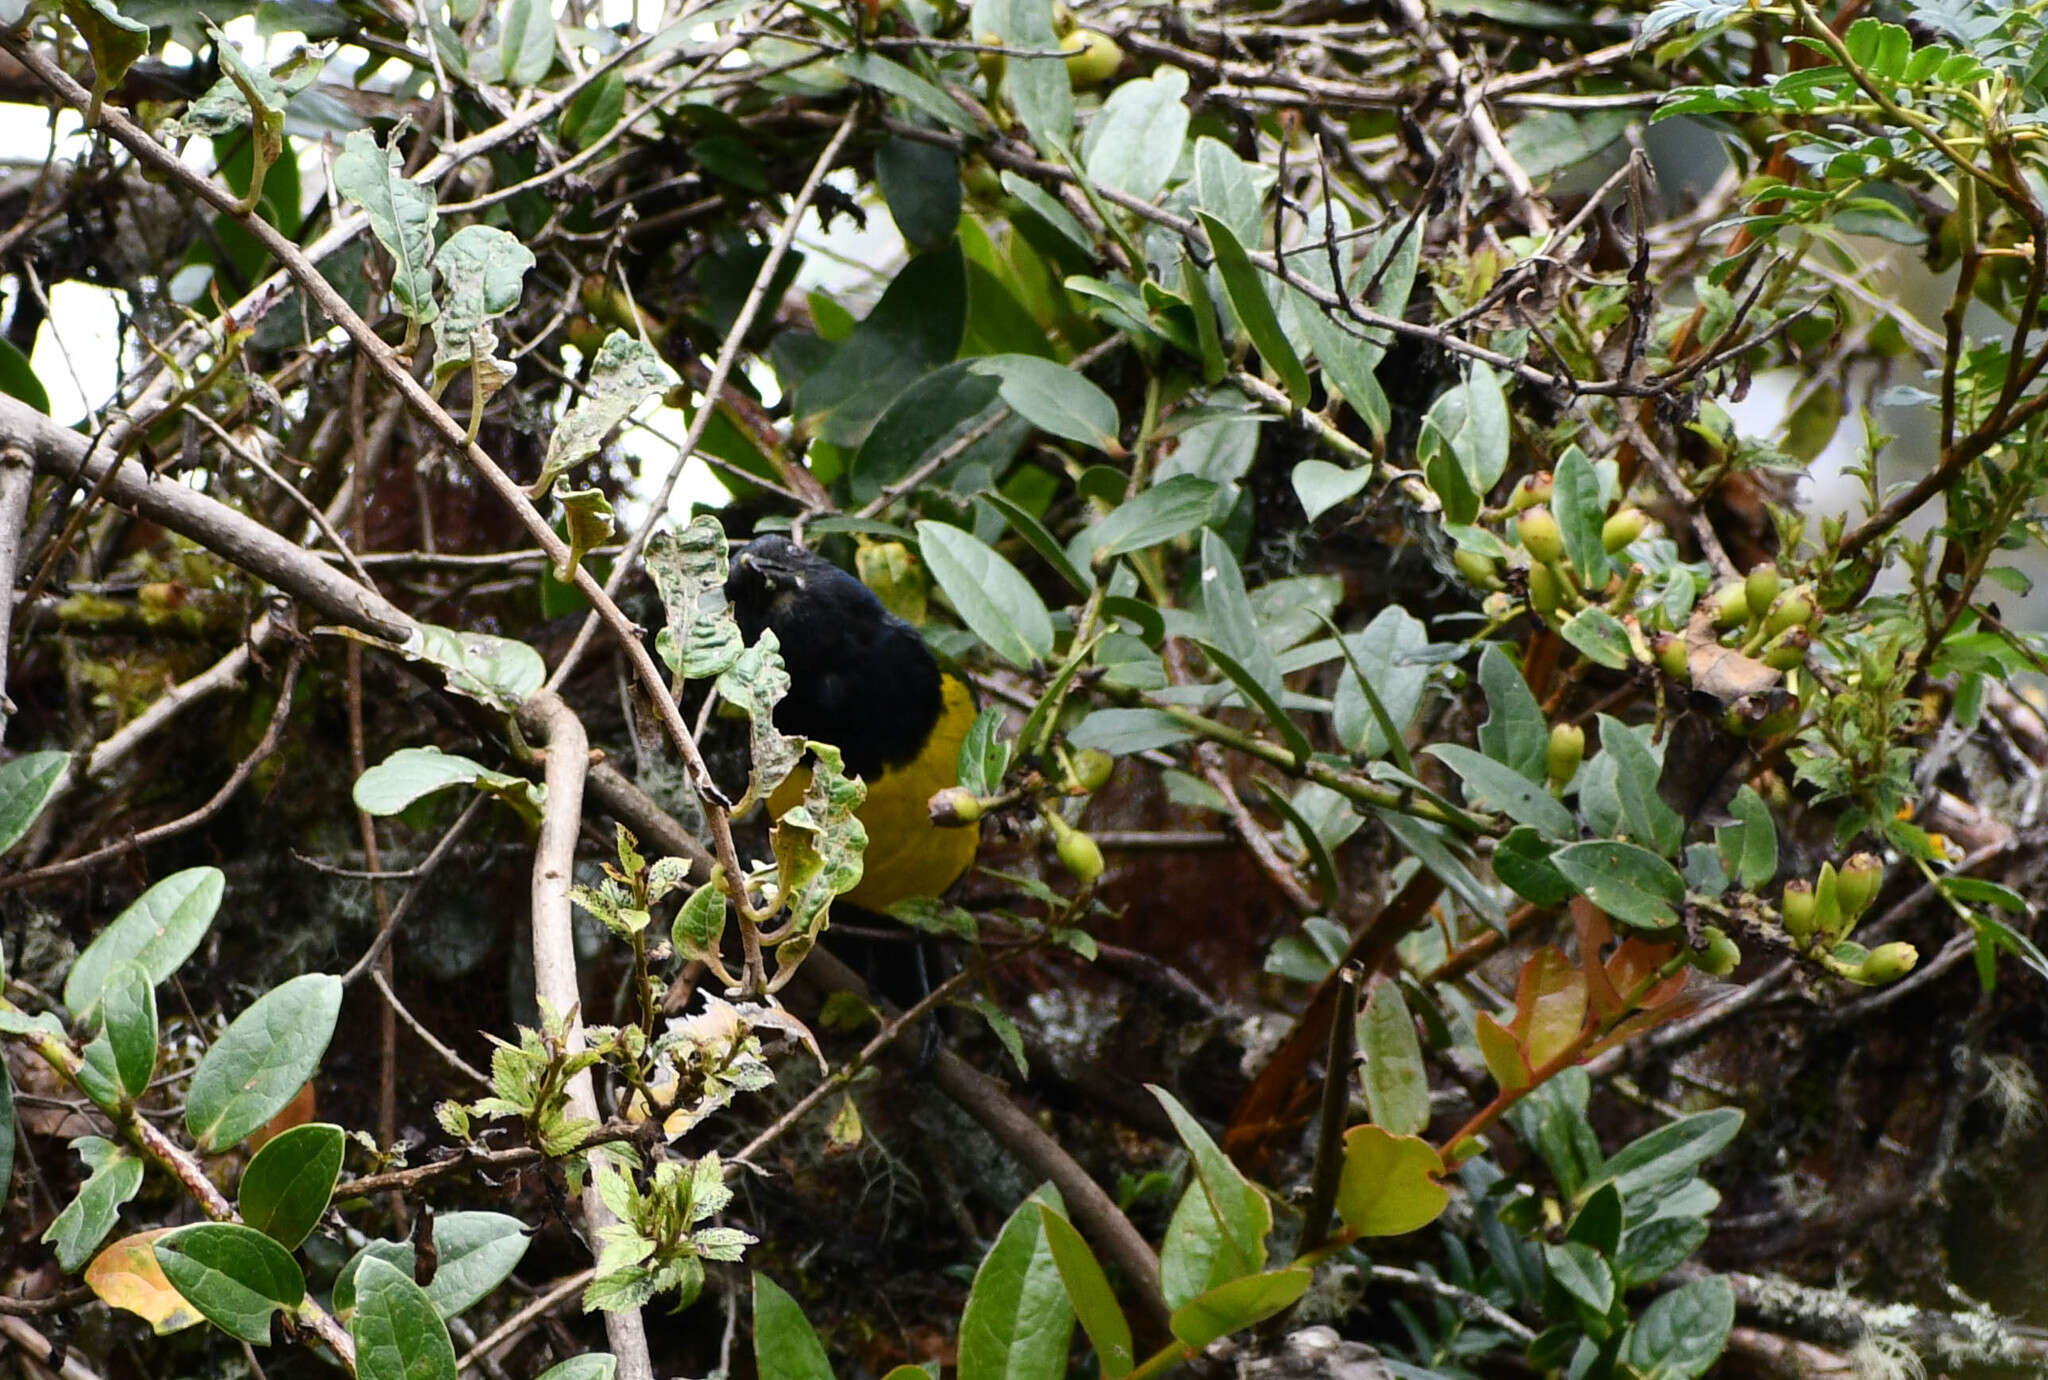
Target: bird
(863,680)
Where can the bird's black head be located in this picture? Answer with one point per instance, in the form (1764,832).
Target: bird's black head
(860,677)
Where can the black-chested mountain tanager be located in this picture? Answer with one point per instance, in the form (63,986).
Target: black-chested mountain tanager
(862,679)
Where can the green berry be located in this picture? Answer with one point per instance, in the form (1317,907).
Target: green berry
(1566,750)
(1886,963)
(1623,526)
(1541,535)
(955,807)
(1858,883)
(1092,768)
(1761,586)
(1717,955)
(1796,909)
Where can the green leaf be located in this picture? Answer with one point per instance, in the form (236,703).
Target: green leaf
(1601,638)
(1089,1292)
(1245,288)
(1749,847)
(1657,1247)
(1522,862)
(1515,731)
(1018,1320)
(412,774)
(1054,399)
(626,373)
(785,1347)
(236,1277)
(872,69)
(1167,510)
(289,1182)
(1004,1029)
(1396,1082)
(497,671)
(1043,542)
(1681,1334)
(930,415)
(261,1061)
(402,216)
(913,331)
(1233,622)
(984,755)
(398,1334)
(995,602)
(920,183)
(1599,1223)
(116,42)
(26,785)
(1389,1183)
(1237,1304)
(1636,771)
(1240,1212)
(1580,1272)
(86,1220)
(526,41)
(128,1018)
(1575,502)
(593,112)
(1632,884)
(159,931)
(1491,785)
(1465,439)
(1321,486)
(1380,665)
(1670,1153)
(1425,843)
(484,270)
(1121,732)
(1208,334)
(18,380)
(1135,140)
(1227,188)
(688,568)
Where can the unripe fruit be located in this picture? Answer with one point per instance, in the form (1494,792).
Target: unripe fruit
(1566,750)
(1671,657)
(1796,909)
(1793,608)
(1788,649)
(1533,489)
(1760,586)
(1623,526)
(1546,591)
(955,807)
(1479,569)
(1092,58)
(1717,955)
(1886,963)
(1541,535)
(1730,604)
(1092,767)
(1856,886)
(991,64)
(1079,854)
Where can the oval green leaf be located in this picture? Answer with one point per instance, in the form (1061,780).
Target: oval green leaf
(289,1182)
(1018,1320)
(1633,885)
(159,931)
(1396,1083)
(398,1334)
(261,1061)
(234,1275)
(996,602)
(26,785)
(1054,399)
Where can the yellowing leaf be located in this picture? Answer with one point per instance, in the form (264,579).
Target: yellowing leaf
(1550,1005)
(1502,1052)
(126,1275)
(1389,1187)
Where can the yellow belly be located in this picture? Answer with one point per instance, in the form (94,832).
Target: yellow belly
(907,855)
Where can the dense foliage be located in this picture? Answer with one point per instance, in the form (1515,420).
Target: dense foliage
(1446,793)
